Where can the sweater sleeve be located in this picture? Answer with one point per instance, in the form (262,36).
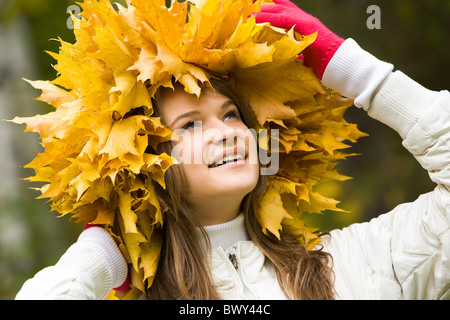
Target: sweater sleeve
(404,254)
(89,270)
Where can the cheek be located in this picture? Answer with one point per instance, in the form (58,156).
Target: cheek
(194,174)
(189,151)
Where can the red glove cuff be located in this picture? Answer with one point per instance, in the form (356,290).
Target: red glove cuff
(318,55)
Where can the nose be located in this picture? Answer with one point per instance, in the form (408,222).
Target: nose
(221,133)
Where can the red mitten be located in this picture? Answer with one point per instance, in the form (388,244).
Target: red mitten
(284,14)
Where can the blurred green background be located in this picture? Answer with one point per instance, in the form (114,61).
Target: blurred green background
(413,36)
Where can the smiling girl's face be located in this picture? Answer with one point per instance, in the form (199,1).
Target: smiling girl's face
(217,151)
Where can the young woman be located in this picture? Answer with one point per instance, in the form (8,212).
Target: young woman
(214,247)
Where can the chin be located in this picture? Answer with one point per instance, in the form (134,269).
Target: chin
(235,183)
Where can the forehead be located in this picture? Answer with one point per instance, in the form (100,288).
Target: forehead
(178,101)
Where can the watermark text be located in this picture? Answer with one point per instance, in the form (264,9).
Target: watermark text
(374,20)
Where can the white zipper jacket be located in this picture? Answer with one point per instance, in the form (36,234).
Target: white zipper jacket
(404,254)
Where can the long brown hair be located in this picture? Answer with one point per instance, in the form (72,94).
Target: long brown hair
(183,273)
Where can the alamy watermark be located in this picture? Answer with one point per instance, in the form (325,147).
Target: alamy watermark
(73,22)
(212,146)
(374,20)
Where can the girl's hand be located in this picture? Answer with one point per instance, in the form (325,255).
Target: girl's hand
(284,14)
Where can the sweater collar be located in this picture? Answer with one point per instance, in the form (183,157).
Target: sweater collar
(226,234)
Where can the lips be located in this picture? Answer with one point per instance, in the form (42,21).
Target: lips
(229,155)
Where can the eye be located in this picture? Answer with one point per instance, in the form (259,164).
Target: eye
(234,114)
(191,125)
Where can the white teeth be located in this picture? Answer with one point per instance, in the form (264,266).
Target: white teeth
(230,158)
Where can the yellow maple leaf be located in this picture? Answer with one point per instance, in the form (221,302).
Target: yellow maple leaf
(150,252)
(272,211)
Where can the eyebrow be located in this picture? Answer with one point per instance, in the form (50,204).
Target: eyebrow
(194,112)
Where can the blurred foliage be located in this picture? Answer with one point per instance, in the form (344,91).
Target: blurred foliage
(413,36)
(47,21)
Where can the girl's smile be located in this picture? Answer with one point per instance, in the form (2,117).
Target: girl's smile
(230,157)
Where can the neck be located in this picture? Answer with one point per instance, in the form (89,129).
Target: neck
(226,234)
(213,211)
